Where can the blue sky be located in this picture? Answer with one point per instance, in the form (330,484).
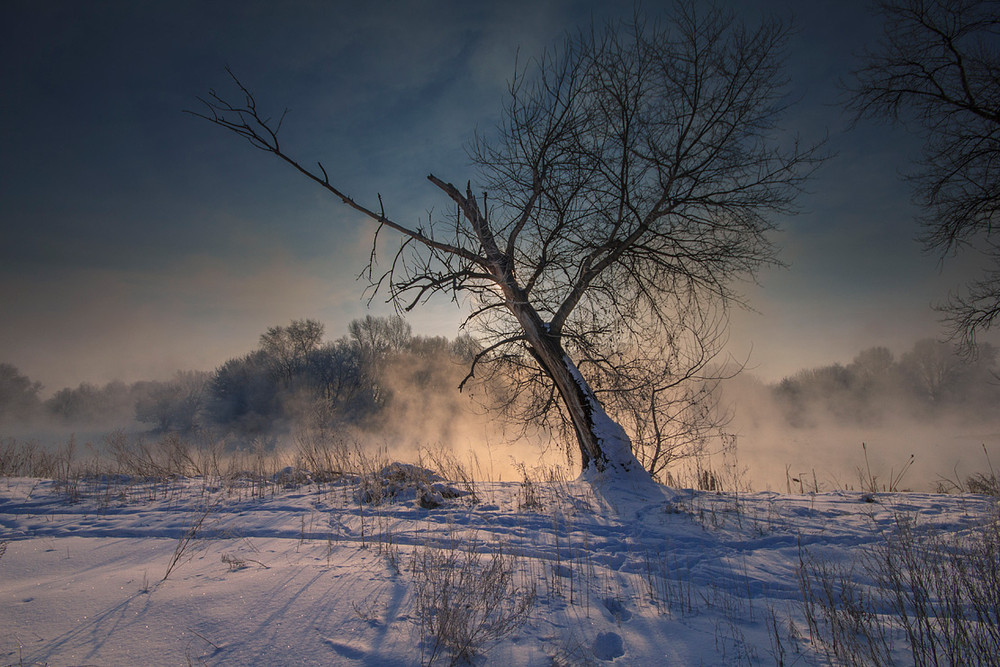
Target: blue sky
(137,240)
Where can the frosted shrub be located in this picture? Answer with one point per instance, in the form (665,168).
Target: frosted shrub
(405,481)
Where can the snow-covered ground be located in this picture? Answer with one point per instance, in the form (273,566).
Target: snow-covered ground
(303,573)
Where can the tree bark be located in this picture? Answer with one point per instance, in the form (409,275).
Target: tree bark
(604,446)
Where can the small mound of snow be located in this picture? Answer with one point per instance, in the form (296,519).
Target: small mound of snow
(405,481)
(408,471)
(561,570)
(290,477)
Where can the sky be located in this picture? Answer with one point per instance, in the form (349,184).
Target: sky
(136,240)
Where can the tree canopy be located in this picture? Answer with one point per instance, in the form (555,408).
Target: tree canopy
(632,181)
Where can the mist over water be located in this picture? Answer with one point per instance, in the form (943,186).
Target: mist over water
(845,427)
(833,456)
(919,421)
(379,393)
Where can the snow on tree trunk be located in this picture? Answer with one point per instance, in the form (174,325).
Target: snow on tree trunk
(605,448)
(613,446)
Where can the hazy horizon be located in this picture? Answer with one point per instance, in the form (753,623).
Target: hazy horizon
(805,432)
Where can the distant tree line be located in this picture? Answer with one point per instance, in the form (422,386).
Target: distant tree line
(293,375)
(171,404)
(381,376)
(930,380)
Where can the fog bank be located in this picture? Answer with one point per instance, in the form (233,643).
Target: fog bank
(818,425)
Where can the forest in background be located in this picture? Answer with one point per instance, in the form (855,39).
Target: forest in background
(294,377)
(928,381)
(382,383)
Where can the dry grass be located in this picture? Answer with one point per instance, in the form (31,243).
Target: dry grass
(930,597)
(466,598)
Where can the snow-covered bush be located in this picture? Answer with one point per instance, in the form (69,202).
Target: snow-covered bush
(398,482)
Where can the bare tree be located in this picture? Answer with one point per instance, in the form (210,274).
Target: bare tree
(18,395)
(933,367)
(379,336)
(629,186)
(288,348)
(377,339)
(937,72)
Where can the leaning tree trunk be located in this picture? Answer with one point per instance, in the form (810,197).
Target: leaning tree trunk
(605,448)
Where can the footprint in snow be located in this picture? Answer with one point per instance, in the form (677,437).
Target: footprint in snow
(608,646)
(346,650)
(617,610)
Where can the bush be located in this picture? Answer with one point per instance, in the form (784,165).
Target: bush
(405,481)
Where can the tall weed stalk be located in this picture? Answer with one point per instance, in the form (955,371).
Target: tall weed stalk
(466,598)
(932,597)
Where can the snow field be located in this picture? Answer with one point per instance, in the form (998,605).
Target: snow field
(540,572)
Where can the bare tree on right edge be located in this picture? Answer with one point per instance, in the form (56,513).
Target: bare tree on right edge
(631,183)
(937,72)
